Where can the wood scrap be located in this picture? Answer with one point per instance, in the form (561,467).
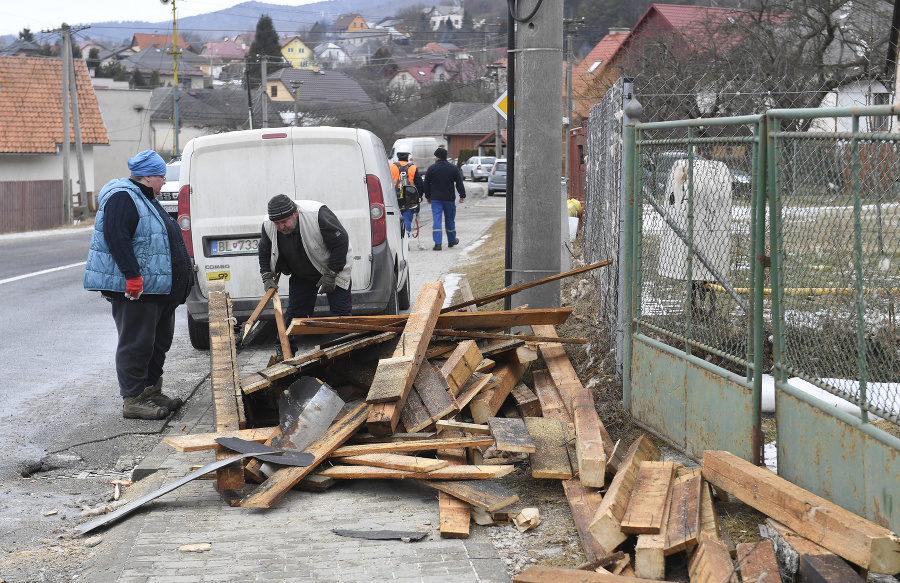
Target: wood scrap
(511,435)
(550,459)
(418,445)
(470,428)
(847,535)
(477,383)
(710,562)
(488,401)
(757,562)
(709,520)
(455,515)
(790,546)
(549,398)
(396,461)
(543,574)
(279,324)
(447,473)
(482,493)
(527,403)
(465,290)
(683,524)
(650,557)
(649,498)
(460,365)
(204,441)
(486,365)
(827,569)
(330,327)
(584,502)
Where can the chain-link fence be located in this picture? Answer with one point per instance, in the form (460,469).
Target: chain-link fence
(839,268)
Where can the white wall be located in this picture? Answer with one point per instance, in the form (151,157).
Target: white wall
(48,167)
(126,116)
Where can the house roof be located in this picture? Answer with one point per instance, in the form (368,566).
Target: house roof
(344,21)
(142,40)
(489,140)
(463,70)
(423,74)
(155,58)
(453,118)
(226,50)
(210,108)
(20,47)
(322,86)
(289,39)
(435,48)
(589,68)
(31,106)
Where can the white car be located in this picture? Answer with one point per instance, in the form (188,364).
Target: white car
(477,167)
(226,182)
(168,195)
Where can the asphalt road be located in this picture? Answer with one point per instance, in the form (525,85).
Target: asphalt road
(60,412)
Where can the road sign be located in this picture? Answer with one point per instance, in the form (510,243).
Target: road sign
(500,105)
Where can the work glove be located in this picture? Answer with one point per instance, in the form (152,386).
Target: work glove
(327,283)
(268,279)
(134,287)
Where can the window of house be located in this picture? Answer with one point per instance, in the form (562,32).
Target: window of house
(290,49)
(274,90)
(304,64)
(301,51)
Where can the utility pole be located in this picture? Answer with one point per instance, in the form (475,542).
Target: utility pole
(295,85)
(571,26)
(537,200)
(265,87)
(249,99)
(175,54)
(66,149)
(495,74)
(69,69)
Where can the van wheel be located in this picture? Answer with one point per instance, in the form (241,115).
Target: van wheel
(391,308)
(403,298)
(198,333)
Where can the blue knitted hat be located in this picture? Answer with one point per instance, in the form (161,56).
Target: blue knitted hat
(147,163)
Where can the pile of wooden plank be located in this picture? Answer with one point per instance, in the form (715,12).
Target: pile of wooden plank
(442,401)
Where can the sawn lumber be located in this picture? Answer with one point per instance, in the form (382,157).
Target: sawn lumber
(447,473)
(418,445)
(542,574)
(847,535)
(203,441)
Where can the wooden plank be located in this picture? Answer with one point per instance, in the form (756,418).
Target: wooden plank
(435,394)
(448,321)
(418,445)
(496,348)
(709,520)
(364,437)
(279,325)
(486,365)
(465,290)
(511,435)
(204,441)
(649,496)
(390,379)
(414,415)
(827,569)
(550,459)
(284,479)
(683,524)
(847,535)
(471,428)
(455,516)
(584,502)
(396,461)
(487,402)
(758,563)
(543,574)
(460,365)
(484,494)
(448,473)
(224,381)
(649,557)
(413,343)
(800,545)
(549,398)
(477,383)
(711,563)
(605,526)
(526,401)
(277,371)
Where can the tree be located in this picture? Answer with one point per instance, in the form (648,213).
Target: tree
(26,35)
(267,45)
(93,60)
(137,79)
(154,79)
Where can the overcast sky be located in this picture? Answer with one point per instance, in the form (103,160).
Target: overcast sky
(41,15)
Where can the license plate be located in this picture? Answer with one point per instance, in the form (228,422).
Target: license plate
(235,246)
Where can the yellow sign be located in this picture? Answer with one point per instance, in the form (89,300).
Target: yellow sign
(217,275)
(500,105)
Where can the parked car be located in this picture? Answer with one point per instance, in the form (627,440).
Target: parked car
(497,177)
(168,194)
(477,167)
(226,182)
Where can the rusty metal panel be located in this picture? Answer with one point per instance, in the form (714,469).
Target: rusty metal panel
(695,404)
(657,390)
(839,459)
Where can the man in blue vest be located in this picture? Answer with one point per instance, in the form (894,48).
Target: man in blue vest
(139,263)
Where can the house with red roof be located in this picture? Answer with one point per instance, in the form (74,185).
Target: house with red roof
(141,41)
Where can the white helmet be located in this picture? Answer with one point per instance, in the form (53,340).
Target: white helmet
(403,150)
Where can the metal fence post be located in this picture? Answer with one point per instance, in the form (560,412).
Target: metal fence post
(757,278)
(626,98)
(855,172)
(633,111)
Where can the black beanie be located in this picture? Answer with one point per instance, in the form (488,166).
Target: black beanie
(441,153)
(281,207)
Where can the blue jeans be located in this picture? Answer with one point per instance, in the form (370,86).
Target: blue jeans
(302,302)
(407,219)
(447,208)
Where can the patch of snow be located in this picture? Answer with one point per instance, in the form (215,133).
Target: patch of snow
(770,453)
(879,394)
(451,284)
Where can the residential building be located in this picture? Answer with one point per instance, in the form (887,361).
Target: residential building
(154,58)
(141,41)
(321,95)
(331,56)
(126,114)
(297,53)
(20,47)
(349,23)
(459,125)
(589,70)
(440,15)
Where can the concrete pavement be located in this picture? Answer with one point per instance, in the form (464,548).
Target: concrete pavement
(293,541)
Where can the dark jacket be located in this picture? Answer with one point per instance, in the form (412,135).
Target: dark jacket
(120,224)
(439,180)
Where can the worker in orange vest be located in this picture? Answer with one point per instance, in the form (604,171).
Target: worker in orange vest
(408,185)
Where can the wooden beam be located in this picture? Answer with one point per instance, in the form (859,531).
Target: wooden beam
(465,290)
(511,435)
(204,441)
(228,404)
(543,574)
(827,569)
(430,388)
(455,516)
(460,365)
(709,520)
(471,428)
(605,526)
(448,473)
(683,524)
(267,297)
(649,498)
(847,535)
(482,493)
(649,557)
(417,445)
(477,383)
(584,502)
(711,563)
(396,461)
(551,458)
(284,479)
(758,563)
(527,403)
(279,324)
(487,402)
(549,398)
(446,321)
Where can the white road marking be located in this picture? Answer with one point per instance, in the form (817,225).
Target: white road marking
(27,275)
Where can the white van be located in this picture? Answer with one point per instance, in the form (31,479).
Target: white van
(421,151)
(226,183)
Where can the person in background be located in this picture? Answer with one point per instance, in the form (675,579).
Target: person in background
(139,263)
(306,241)
(440,179)
(413,177)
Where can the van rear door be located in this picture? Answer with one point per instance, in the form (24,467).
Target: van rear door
(233,176)
(329,168)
